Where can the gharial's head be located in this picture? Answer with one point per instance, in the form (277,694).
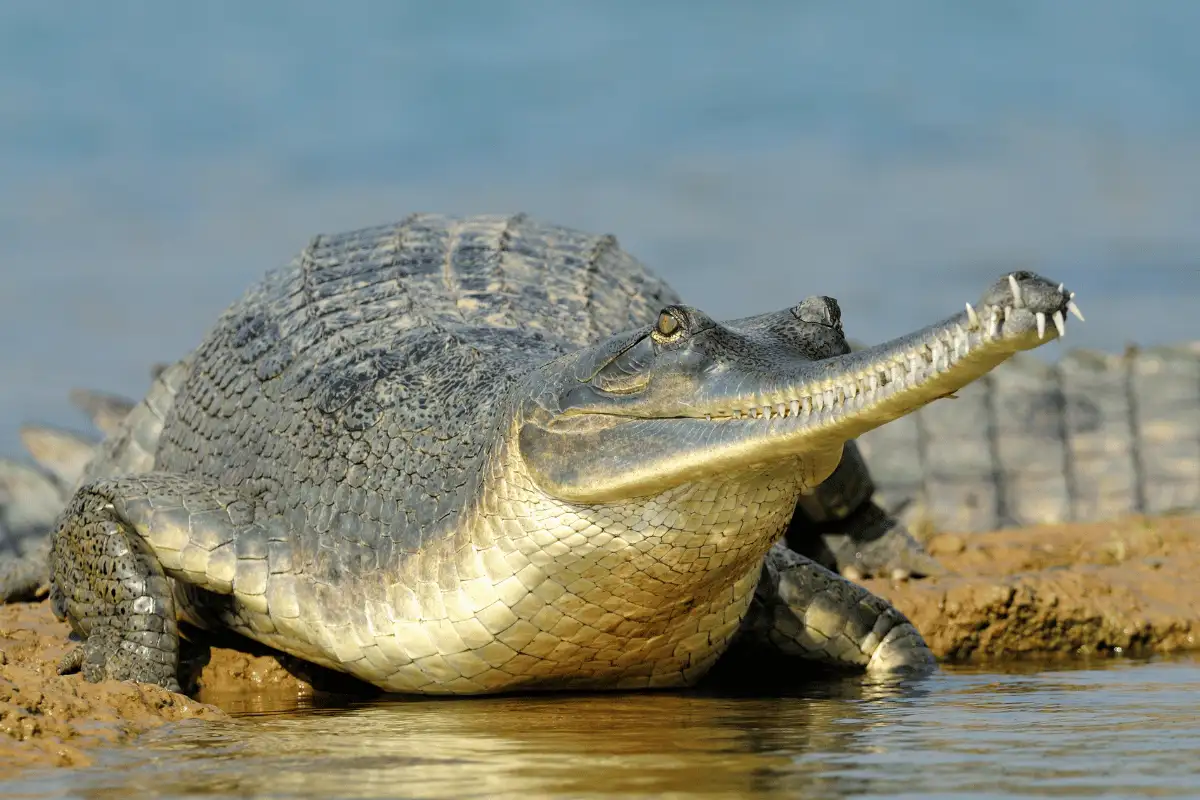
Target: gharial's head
(689,398)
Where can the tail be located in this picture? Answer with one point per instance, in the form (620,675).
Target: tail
(32,495)
(1094,436)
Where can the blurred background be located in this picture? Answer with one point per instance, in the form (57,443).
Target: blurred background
(156,158)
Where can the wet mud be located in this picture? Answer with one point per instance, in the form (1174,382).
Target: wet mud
(1125,587)
(1062,591)
(52,719)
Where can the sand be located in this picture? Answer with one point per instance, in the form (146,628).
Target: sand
(1110,589)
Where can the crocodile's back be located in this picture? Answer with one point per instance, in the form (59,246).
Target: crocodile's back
(447,273)
(355,391)
(1091,437)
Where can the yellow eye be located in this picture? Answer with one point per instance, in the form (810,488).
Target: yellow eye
(667,325)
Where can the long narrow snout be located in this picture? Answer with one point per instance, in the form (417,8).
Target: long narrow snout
(846,396)
(804,411)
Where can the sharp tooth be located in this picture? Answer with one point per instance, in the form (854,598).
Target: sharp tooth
(873,382)
(806,405)
(766,412)
(1016,291)
(737,414)
(708,417)
(830,398)
(1060,322)
(1041,323)
(1074,309)
(818,401)
(973,317)
(795,406)
(936,353)
(994,327)
(851,390)
(781,410)
(1060,289)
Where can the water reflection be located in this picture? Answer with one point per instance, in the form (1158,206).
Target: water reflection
(1129,728)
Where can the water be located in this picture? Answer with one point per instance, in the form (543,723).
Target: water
(1123,728)
(156,158)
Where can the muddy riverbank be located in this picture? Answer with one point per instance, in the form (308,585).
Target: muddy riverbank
(1060,591)
(1053,591)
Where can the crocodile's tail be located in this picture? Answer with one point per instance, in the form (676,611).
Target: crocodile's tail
(32,495)
(1092,437)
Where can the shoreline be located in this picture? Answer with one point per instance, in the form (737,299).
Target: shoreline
(1050,592)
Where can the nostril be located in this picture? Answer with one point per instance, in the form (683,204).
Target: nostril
(819,310)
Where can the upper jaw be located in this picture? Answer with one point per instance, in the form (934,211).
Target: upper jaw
(599,448)
(1019,312)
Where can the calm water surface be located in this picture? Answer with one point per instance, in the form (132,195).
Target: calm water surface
(1125,728)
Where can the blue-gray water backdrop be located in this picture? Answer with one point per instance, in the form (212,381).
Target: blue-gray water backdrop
(155,158)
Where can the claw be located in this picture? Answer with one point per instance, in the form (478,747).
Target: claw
(1074,309)
(1016,291)
(1041,325)
(1060,322)
(71,663)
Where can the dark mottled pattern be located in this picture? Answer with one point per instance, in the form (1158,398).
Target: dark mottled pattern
(113,591)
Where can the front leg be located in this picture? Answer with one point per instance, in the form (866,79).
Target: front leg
(839,526)
(117,545)
(806,611)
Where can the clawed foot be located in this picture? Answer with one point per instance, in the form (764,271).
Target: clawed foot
(871,544)
(102,658)
(902,651)
(895,554)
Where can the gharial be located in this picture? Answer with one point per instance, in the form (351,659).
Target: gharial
(471,455)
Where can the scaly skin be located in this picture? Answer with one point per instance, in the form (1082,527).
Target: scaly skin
(420,455)
(1092,436)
